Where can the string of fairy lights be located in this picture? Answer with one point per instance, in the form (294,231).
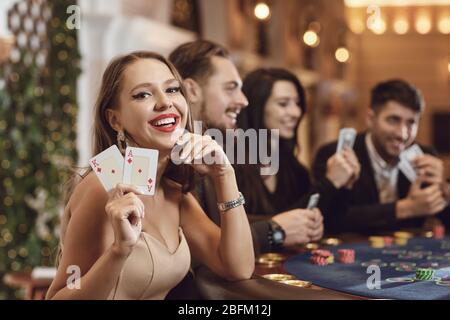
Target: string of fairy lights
(38,132)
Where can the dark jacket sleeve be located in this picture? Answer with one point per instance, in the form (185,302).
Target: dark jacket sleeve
(260,230)
(333,201)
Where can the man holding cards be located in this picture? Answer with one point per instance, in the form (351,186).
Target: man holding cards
(131,224)
(401,183)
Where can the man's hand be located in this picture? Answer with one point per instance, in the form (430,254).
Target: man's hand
(431,168)
(421,202)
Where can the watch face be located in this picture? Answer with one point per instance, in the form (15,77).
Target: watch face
(278,236)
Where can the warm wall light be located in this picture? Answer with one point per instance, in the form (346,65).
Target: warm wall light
(423,24)
(311,38)
(448,67)
(378,26)
(262,11)
(444,25)
(342,55)
(395,3)
(401,26)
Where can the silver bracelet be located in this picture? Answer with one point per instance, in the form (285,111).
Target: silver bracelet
(228,205)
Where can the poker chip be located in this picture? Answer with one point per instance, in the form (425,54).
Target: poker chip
(322,257)
(321,252)
(376,242)
(401,238)
(318,260)
(428,234)
(267,263)
(278,276)
(438,232)
(388,241)
(272,256)
(311,246)
(298,283)
(424,274)
(400,280)
(443,283)
(346,256)
(403,235)
(331,241)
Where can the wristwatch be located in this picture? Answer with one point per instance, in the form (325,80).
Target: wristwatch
(276,234)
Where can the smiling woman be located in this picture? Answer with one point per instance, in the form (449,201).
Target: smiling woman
(131,246)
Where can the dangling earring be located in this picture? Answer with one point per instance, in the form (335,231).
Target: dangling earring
(122,142)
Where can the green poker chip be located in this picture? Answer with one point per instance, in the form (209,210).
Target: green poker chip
(424,274)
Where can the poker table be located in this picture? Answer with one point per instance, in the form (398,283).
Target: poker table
(396,266)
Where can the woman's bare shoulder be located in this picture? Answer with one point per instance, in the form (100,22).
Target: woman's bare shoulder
(89,191)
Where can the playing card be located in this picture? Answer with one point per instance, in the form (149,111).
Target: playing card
(108,166)
(313,201)
(406,164)
(140,169)
(347,138)
(408,170)
(411,153)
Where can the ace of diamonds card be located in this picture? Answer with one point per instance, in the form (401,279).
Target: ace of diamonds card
(140,169)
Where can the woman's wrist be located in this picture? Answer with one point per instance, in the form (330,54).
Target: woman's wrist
(224,173)
(121,251)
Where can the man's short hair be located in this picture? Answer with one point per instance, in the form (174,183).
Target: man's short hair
(193,59)
(399,91)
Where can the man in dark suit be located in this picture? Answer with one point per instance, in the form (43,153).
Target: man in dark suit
(383,199)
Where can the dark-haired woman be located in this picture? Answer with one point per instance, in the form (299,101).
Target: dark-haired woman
(276,202)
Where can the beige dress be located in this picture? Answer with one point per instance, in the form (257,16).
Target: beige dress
(151,271)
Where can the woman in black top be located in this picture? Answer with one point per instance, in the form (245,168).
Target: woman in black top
(277,101)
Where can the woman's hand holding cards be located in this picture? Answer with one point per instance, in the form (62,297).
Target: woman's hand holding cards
(126,212)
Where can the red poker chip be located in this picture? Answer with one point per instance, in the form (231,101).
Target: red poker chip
(388,241)
(439,232)
(321,253)
(318,260)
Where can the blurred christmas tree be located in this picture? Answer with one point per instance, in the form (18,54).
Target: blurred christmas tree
(37,133)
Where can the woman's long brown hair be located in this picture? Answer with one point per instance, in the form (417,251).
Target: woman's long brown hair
(104,136)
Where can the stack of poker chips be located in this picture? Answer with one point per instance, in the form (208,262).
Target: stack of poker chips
(388,241)
(401,238)
(376,242)
(346,256)
(424,274)
(439,232)
(322,257)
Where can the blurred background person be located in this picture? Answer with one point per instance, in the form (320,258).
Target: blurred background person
(383,198)
(277,101)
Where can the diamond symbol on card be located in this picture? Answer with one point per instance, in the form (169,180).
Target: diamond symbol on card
(99,169)
(130,160)
(140,170)
(150,181)
(113,171)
